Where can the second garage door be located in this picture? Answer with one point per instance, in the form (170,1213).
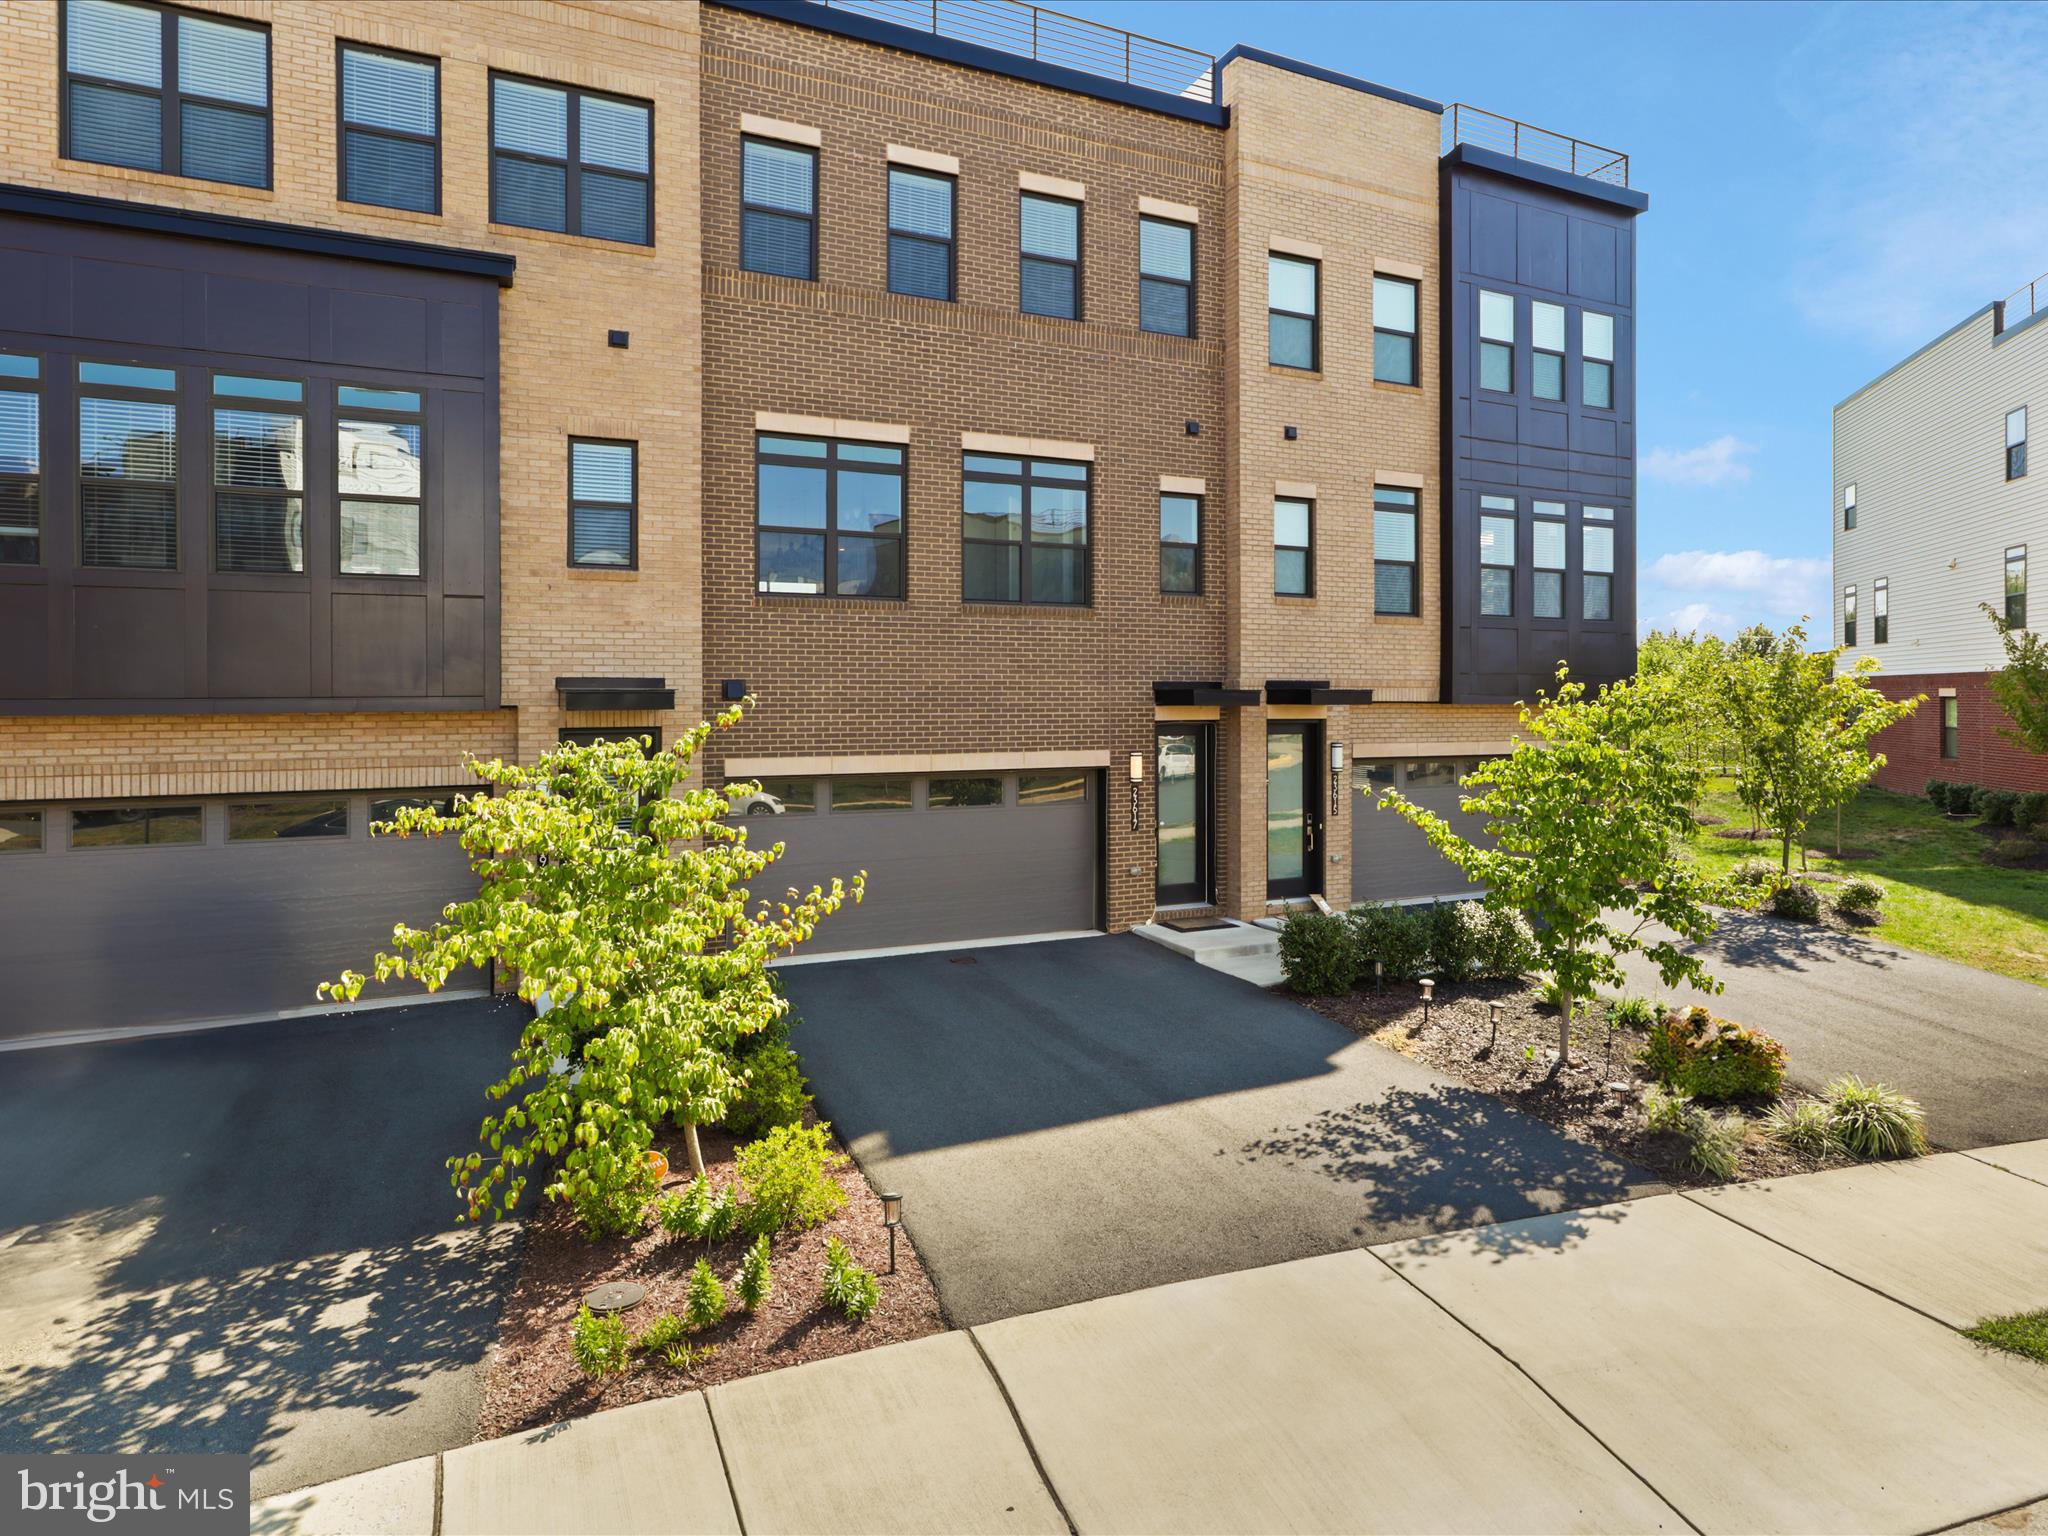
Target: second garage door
(950,858)
(1391,860)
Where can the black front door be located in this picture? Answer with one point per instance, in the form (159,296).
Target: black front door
(1181,771)
(1294,809)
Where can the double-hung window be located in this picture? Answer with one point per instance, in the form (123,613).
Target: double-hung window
(571,161)
(1880,611)
(163,90)
(779,208)
(1048,256)
(1294,571)
(2016,586)
(1396,306)
(1496,341)
(920,233)
(1166,276)
(604,503)
(1546,350)
(1849,506)
(1596,564)
(378,454)
(21,462)
(1497,557)
(1596,341)
(1023,530)
(390,129)
(1180,543)
(828,517)
(1951,728)
(1293,315)
(1395,589)
(259,474)
(1549,538)
(127,466)
(1849,615)
(2016,444)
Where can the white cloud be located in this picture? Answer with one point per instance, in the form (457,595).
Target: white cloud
(1690,618)
(1721,462)
(1784,587)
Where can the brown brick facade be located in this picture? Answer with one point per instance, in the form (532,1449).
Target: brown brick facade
(1984,754)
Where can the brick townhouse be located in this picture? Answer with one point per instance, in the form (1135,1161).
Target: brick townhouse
(1097,459)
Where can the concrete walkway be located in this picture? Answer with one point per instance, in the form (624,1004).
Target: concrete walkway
(1780,1356)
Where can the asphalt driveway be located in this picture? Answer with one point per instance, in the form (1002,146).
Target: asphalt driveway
(240,1241)
(1971,1046)
(1079,1119)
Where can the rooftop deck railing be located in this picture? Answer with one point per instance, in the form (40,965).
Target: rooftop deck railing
(1053,37)
(2023,303)
(1539,146)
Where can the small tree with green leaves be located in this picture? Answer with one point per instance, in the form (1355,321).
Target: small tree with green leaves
(621,900)
(2021,685)
(1588,814)
(1808,723)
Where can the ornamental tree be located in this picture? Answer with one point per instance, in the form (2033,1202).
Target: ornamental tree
(2021,686)
(620,904)
(1807,726)
(1588,814)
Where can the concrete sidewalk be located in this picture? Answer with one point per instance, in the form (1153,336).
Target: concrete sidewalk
(1780,1356)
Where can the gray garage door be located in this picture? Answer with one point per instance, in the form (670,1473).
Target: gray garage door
(949,857)
(1391,860)
(179,912)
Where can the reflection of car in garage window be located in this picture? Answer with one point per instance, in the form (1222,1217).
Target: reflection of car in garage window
(775,797)
(441,801)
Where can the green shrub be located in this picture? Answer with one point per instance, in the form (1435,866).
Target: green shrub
(682,1214)
(1996,806)
(755,1282)
(1664,1109)
(706,1302)
(852,1290)
(615,1208)
(1937,793)
(2032,809)
(1457,939)
(600,1343)
(1397,937)
(659,1335)
(1754,872)
(1806,1126)
(1710,1058)
(1632,1013)
(773,1091)
(1507,943)
(789,1180)
(1962,799)
(1797,900)
(1859,896)
(1713,1143)
(2013,850)
(1318,954)
(1873,1121)
(685,1356)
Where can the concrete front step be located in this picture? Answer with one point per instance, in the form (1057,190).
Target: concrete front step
(1248,951)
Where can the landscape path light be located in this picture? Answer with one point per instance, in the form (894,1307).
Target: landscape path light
(1493,1013)
(892,1218)
(1428,991)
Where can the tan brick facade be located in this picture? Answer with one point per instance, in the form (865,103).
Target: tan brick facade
(558,377)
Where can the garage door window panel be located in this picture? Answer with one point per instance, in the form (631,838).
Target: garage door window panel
(829,518)
(1051,788)
(441,801)
(773,797)
(21,460)
(21,831)
(963,792)
(262,821)
(863,795)
(127,467)
(136,826)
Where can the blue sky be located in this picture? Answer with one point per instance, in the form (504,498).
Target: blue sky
(1831,186)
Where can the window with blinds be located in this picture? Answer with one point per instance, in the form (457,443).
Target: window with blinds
(778,208)
(158,89)
(390,129)
(127,466)
(21,460)
(920,233)
(259,484)
(604,494)
(569,160)
(378,477)
(1049,256)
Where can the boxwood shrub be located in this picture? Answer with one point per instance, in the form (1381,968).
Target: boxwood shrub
(1796,900)
(1318,954)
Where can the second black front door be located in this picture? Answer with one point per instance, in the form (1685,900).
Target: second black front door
(1185,814)
(1294,809)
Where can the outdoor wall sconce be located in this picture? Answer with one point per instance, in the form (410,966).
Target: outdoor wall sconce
(892,1218)
(1137,778)
(1428,992)
(1336,778)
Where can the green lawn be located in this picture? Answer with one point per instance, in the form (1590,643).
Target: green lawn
(1940,895)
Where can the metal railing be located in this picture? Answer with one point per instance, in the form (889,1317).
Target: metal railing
(2035,296)
(1053,37)
(1539,146)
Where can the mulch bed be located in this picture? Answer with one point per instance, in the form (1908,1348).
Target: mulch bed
(1995,836)
(1597,1098)
(532,1378)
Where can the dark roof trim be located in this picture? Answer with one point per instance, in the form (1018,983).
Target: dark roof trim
(623,693)
(1563,181)
(152,218)
(1202,693)
(1293,691)
(1328,77)
(994,61)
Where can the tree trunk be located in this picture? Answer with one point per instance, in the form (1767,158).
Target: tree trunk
(1785,852)
(1564,1033)
(696,1151)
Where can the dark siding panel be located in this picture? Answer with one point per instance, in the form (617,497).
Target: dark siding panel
(109,663)
(127,302)
(462,640)
(460,340)
(379,330)
(467,549)
(380,645)
(256,645)
(262,319)
(31,292)
(24,639)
